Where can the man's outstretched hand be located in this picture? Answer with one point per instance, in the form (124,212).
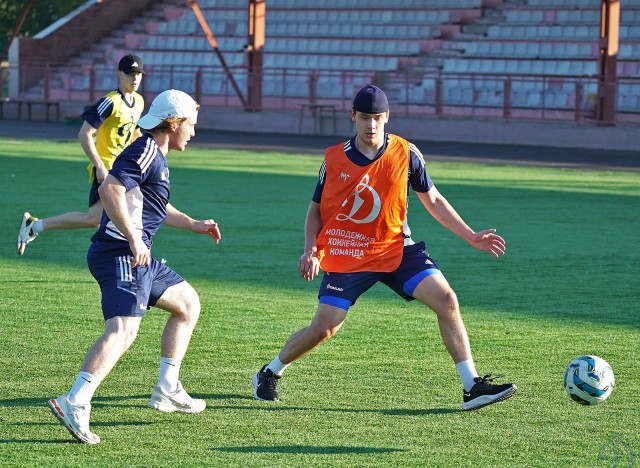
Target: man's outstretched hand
(490,242)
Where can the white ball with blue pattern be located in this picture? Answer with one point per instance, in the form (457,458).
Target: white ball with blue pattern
(589,380)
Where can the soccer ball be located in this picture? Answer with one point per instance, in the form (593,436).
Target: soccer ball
(589,380)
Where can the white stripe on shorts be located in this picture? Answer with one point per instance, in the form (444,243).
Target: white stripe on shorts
(125,268)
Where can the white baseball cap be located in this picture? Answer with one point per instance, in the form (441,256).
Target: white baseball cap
(170,103)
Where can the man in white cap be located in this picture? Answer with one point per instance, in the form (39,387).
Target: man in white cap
(135,195)
(356,230)
(109,126)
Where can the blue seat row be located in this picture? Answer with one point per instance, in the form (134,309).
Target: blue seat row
(330,62)
(189,26)
(191,59)
(341,4)
(552,95)
(359,16)
(191,43)
(577,4)
(524,49)
(373,4)
(341,46)
(521,67)
(322,29)
(542,32)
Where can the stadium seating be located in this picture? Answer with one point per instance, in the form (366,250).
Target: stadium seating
(303,37)
(473,53)
(548,50)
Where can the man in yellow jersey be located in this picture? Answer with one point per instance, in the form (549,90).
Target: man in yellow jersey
(356,231)
(109,126)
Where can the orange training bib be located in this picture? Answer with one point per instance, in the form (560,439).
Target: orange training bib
(362,210)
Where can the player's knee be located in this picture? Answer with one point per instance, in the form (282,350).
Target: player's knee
(448,306)
(321,332)
(189,307)
(129,337)
(194,307)
(90,220)
(94,216)
(122,335)
(93,220)
(452,301)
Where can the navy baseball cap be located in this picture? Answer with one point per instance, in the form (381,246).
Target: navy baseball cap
(371,100)
(130,64)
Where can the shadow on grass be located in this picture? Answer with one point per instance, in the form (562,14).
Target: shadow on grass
(96,402)
(118,401)
(55,422)
(113,401)
(308,449)
(276,407)
(38,441)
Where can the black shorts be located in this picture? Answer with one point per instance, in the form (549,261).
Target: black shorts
(94,196)
(343,289)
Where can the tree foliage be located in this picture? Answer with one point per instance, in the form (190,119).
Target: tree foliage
(41,15)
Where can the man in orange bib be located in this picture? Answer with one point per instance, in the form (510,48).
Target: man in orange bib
(356,230)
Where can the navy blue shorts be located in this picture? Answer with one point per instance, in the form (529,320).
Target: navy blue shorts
(129,292)
(343,289)
(94,196)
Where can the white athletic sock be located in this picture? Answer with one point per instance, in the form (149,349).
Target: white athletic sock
(38,226)
(467,371)
(83,388)
(169,372)
(277,367)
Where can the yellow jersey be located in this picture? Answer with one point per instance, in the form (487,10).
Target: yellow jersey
(115,120)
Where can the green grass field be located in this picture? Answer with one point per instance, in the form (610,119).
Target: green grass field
(383,391)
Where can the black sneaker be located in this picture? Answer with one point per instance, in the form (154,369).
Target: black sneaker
(265,383)
(484,393)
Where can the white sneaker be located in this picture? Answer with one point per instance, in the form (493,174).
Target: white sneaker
(177,401)
(26,234)
(74,417)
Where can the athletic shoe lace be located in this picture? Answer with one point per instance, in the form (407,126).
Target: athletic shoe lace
(81,416)
(486,381)
(270,381)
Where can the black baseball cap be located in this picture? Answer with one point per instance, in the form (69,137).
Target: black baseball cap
(371,100)
(130,64)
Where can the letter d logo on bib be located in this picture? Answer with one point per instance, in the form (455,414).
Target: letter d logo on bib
(370,199)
